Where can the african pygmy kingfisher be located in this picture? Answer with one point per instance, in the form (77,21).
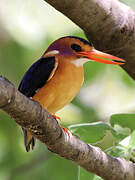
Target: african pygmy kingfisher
(55,79)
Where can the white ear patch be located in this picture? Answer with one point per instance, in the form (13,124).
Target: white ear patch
(52,52)
(80,61)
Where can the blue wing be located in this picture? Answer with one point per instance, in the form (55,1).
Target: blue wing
(36,76)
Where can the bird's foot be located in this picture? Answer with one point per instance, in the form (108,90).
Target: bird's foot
(56,117)
(66,131)
(63,128)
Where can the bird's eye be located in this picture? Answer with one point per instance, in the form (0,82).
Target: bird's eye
(76,47)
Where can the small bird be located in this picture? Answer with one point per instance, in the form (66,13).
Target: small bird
(55,79)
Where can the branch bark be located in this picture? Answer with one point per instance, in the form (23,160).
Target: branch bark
(109,24)
(30,115)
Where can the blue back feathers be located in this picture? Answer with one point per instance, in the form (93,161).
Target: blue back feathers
(36,76)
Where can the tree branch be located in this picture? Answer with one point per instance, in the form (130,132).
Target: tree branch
(30,115)
(110,25)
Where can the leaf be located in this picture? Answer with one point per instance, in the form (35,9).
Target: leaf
(123,120)
(132,146)
(84,175)
(97,178)
(107,141)
(99,133)
(132,140)
(117,151)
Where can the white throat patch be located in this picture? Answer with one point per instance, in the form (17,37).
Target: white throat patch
(80,61)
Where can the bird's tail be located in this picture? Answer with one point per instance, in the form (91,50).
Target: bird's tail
(29,140)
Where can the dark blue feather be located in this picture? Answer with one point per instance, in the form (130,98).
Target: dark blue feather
(36,76)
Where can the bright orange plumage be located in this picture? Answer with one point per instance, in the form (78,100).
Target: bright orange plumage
(61,88)
(55,79)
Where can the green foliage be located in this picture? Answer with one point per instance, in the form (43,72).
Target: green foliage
(123,120)
(109,138)
(85,175)
(100,134)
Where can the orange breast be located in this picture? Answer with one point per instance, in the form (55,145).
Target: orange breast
(62,88)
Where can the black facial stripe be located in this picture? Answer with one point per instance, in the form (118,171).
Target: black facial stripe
(76,47)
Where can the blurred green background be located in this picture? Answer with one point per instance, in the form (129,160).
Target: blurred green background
(26,30)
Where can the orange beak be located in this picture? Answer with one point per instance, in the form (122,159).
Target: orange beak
(101,57)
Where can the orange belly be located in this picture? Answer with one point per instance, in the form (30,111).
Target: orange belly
(62,88)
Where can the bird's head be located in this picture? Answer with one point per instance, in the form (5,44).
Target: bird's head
(79,51)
